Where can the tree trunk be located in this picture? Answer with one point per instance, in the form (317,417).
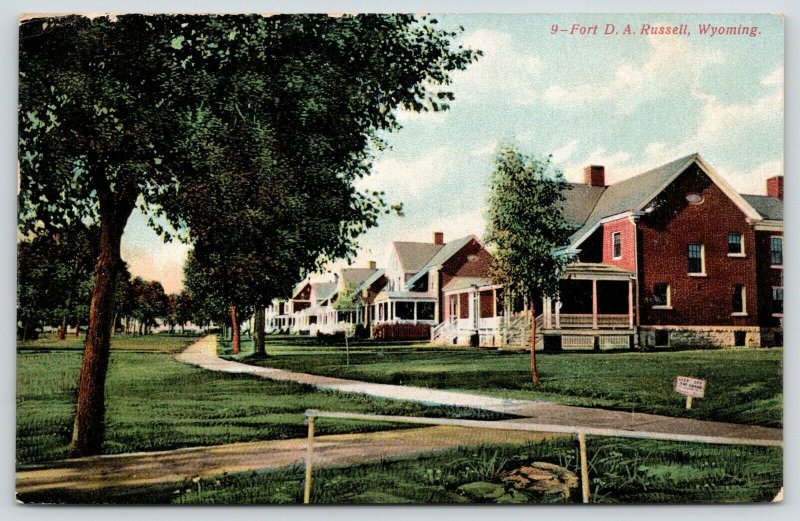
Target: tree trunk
(260,341)
(25,332)
(62,330)
(534,372)
(234,331)
(78,327)
(87,434)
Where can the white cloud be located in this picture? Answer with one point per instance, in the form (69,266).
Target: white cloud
(719,120)
(164,263)
(671,63)
(774,78)
(452,226)
(409,178)
(502,68)
(753,181)
(485,149)
(565,152)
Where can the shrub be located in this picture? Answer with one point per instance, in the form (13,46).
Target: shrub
(401,332)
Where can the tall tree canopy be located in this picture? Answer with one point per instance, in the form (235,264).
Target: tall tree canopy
(124,111)
(526,225)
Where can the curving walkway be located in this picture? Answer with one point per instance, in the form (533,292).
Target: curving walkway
(204,354)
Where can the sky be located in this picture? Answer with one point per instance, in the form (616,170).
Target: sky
(629,102)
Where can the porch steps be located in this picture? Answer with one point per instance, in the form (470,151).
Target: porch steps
(518,333)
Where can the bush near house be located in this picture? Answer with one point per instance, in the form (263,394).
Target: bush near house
(401,332)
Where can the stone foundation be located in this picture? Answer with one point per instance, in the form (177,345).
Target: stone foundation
(711,336)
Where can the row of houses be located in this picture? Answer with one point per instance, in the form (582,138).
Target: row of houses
(671,257)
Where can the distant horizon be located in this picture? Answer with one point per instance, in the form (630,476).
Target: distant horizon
(647,101)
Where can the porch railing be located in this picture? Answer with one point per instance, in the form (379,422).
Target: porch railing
(584,321)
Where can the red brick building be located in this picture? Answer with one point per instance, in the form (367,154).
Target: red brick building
(705,263)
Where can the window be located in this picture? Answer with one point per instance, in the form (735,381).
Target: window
(694,198)
(776,251)
(661,296)
(697,262)
(404,310)
(662,338)
(738,300)
(616,245)
(425,311)
(735,244)
(777,301)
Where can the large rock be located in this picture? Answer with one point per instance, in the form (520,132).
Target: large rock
(543,478)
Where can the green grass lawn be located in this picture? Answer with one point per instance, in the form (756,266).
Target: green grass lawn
(620,470)
(743,386)
(154,402)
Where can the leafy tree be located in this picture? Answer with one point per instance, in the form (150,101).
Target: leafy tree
(526,225)
(112,111)
(346,301)
(54,277)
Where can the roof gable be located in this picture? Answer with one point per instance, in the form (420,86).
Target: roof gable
(355,276)
(446,251)
(412,256)
(635,193)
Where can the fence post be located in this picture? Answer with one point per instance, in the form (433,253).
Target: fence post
(309,454)
(584,466)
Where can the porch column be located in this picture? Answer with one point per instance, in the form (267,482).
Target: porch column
(558,314)
(416,304)
(494,302)
(391,310)
(630,303)
(594,303)
(548,312)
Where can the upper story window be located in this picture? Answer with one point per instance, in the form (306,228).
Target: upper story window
(616,245)
(735,244)
(697,260)
(776,251)
(738,302)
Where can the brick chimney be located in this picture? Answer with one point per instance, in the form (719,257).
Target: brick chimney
(438,238)
(594,175)
(775,187)
(372,265)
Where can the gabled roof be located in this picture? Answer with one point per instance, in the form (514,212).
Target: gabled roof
(579,201)
(769,207)
(369,281)
(299,287)
(356,276)
(634,193)
(323,290)
(412,256)
(459,283)
(444,253)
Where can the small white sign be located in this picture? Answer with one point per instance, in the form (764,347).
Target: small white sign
(690,386)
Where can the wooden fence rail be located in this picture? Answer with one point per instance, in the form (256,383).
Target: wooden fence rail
(581,433)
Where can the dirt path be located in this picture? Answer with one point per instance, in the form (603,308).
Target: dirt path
(204,354)
(147,468)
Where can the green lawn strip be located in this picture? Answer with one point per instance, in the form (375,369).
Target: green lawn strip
(156,403)
(743,386)
(621,471)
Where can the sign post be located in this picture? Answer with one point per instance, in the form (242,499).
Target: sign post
(691,388)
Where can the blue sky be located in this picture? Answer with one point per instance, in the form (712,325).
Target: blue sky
(628,102)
